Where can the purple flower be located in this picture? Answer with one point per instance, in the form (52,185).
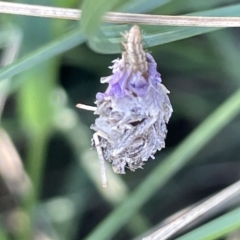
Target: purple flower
(133,113)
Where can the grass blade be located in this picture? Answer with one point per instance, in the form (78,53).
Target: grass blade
(70,40)
(216,228)
(203,208)
(142,6)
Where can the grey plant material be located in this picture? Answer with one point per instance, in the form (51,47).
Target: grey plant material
(134,109)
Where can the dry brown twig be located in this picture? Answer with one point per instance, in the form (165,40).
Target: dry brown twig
(117,17)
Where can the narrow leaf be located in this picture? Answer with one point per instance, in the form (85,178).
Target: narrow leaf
(52,49)
(142,6)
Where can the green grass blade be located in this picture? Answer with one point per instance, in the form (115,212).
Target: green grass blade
(108,40)
(168,167)
(70,40)
(92,12)
(216,228)
(142,6)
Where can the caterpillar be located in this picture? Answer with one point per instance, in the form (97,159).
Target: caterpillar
(134,54)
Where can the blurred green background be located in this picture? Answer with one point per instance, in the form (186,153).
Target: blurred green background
(50,185)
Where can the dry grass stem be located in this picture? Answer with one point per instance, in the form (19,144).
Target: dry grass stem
(182,221)
(115,17)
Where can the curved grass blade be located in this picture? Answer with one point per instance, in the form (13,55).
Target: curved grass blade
(168,167)
(108,39)
(216,228)
(70,40)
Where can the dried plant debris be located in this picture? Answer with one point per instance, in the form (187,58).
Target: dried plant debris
(134,109)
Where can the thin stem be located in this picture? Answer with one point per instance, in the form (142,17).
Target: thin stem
(101,160)
(86,107)
(173,227)
(116,17)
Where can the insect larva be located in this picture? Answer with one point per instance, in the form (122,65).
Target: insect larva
(134,53)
